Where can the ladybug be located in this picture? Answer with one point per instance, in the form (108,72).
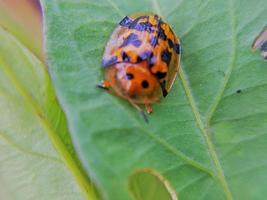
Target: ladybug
(141,60)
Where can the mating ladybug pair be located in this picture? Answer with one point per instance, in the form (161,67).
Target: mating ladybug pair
(141,60)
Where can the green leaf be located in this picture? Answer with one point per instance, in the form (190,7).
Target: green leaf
(23,20)
(208,137)
(37,160)
(147,184)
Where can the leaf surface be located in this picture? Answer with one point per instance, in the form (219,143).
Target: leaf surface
(37,160)
(208,137)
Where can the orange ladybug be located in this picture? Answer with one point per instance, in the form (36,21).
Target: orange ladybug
(141,60)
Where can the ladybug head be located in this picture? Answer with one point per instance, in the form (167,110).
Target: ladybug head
(135,81)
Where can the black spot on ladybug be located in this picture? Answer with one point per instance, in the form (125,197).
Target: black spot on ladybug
(129,76)
(111,61)
(145,26)
(125,57)
(163,88)
(139,59)
(153,41)
(126,22)
(177,48)
(161,34)
(147,55)
(145,84)
(132,39)
(150,64)
(239,91)
(170,43)
(161,75)
(166,56)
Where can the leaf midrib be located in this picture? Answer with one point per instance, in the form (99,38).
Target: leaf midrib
(205,130)
(166,145)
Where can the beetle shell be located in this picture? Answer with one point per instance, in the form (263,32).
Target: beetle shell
(142,58)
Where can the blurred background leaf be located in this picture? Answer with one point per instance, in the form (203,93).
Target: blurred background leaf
(37,159)
(23,19)
(31,123)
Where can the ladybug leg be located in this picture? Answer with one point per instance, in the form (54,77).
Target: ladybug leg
(142,113)
(104,85)
(149,108)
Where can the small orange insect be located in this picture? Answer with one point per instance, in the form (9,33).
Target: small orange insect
(141,60)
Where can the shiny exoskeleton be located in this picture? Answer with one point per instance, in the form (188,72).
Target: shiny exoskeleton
(141,60)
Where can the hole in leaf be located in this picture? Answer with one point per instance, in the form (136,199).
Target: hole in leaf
(239,91)
(148,184)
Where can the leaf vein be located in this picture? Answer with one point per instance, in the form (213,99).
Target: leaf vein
(10,142)
(204,131)
(115,7)
(55,139)
(165,144)
(218,97)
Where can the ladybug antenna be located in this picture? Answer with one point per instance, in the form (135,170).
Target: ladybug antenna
(142,113)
